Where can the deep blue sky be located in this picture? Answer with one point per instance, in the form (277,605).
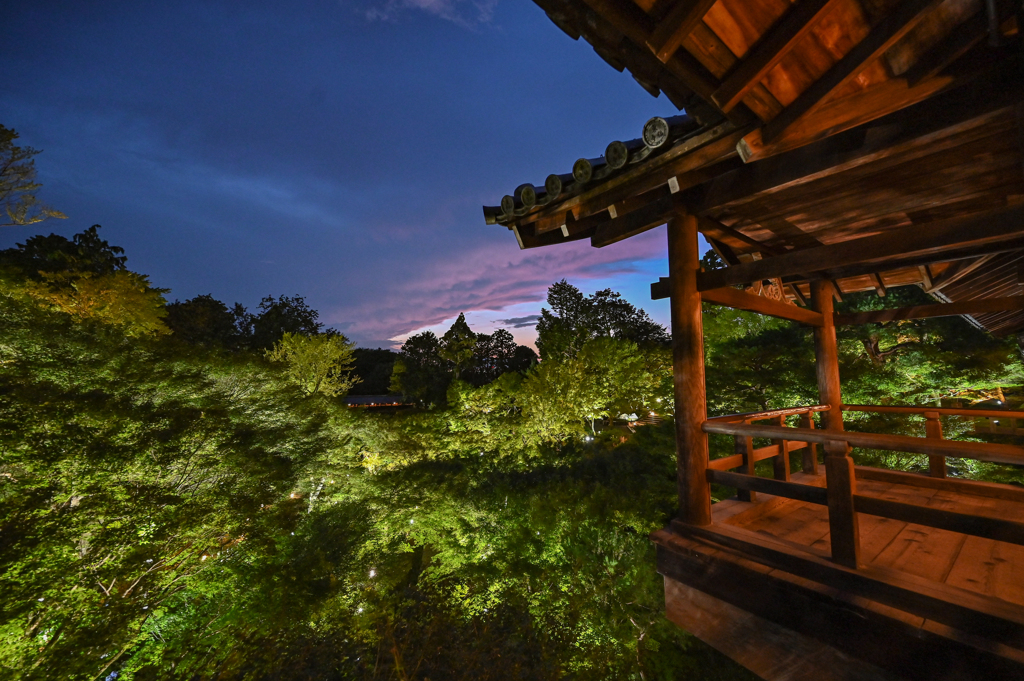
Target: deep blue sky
(337,150)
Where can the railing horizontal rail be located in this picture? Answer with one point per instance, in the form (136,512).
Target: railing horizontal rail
(977,525)
(760,454)
(943,411)
(980,451)
(978,488)
(964,523)
(752,483)
(774,413)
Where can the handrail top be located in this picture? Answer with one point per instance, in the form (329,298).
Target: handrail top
(921,409)
(981,451)
(758,415)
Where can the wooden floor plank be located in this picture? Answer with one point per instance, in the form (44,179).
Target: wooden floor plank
(990,567)
(922,551)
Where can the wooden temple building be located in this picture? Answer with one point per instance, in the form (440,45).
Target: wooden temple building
(827,147)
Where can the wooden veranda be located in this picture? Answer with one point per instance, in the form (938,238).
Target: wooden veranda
(828,146)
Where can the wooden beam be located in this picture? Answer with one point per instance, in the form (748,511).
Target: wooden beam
(759,454)
(716,229)
(958,608)
(688,372)
(677,25)
(741,300)
(650,216)
(955,45)
(978,306)
(638,27)
(904,17)
(770,50)
(780,488)
(980,451)
(979,230)
(957,272)
(914,128)
(876,279)
(976,525)
(945,411)
(527,239)
(989,490)
(770,414)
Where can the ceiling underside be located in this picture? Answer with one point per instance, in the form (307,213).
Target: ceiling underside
(817,122)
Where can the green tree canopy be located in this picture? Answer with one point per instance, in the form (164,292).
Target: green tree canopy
(84,277)
(571,319)
(320,364)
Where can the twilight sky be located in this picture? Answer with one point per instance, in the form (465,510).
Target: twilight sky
(337,150)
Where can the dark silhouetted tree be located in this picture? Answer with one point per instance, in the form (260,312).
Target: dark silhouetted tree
(203,320)
(18,184)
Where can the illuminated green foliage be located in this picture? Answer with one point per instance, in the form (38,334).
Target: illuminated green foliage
(320,364)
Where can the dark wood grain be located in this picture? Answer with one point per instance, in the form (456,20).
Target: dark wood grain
(902,20)
(926,311)
(688,371)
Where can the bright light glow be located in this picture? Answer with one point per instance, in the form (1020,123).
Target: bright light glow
(204,557)
(659,399)
(41,600)
(652,413)
(373,573)
(359,610)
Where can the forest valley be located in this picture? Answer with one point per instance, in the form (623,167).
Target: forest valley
(184,493)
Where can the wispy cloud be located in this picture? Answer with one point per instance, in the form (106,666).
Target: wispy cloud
(491,277)
(521,322)
(467,13)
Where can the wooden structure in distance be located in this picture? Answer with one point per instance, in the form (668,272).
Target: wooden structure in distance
(829,146)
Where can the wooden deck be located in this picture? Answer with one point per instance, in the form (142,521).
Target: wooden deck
(926,603)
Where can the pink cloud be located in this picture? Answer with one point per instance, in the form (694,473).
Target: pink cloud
(489,277)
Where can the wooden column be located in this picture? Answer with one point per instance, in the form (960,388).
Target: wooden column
(780,463)
(810,458)
(933,429)
(826,355)
(688,371)
(842,485)
(745,446)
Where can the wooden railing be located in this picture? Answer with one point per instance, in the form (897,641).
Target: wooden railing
(743,429)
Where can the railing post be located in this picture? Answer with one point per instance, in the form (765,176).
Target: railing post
(688,371)
(745,446)
(810,462)
(844,528)
(933,429)
(839,476)
(780,462)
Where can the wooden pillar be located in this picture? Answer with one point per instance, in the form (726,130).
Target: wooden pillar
(843,527)
(745,446)
(810,458)
(688,371)
(780,462)
(933,429)
(842,485)
(826,355)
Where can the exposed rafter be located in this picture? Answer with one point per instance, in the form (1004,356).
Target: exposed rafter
(769,51)
(904,18)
